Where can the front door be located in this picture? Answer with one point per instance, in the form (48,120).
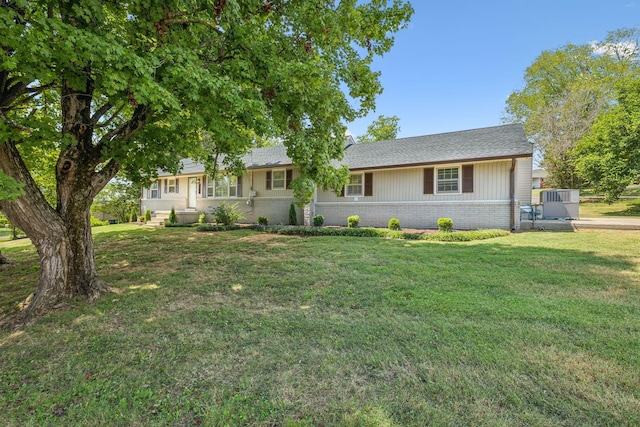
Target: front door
(193,192)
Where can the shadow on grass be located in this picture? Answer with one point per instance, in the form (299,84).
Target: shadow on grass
(282,328)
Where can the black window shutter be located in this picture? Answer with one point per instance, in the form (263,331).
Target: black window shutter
(239,189)
(467,178)
(177,188)
(204,186)
(165,185)
(368,184)
(289,178)
(268,180)
(428,181)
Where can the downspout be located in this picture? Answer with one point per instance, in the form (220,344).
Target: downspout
(512,193)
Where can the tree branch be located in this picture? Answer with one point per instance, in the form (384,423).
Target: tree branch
(101,112)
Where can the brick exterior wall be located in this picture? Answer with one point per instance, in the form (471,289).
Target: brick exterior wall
(465,216)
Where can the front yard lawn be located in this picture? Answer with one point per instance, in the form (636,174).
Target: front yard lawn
(245,328)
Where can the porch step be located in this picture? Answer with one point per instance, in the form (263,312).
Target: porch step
(159,219)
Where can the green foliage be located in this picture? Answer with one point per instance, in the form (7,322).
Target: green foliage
(147,215)
(263,220)
(610,154)
(382,129)
(565,91)
(318,220)
(394,224)
(95,222)
(142,218)
(445,225)
(179,225)
(293,217)
(353,221)
(226,214)
(9,188)
(134,215)
(212,227)
(202,218)
(458,236)
(173,219)
(118,198)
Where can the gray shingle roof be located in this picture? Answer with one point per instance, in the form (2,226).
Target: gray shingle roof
(468,145)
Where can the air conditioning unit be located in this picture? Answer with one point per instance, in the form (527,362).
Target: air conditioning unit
(560,204)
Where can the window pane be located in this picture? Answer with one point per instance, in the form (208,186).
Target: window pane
(222,187)
(355,185)
(233,186)
(278,180)
(448,180)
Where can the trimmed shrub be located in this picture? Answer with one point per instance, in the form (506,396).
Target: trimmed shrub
(133,216)
(394,224)
(95,222)
(226,214)
(202,218)
(458,236)
(173,219)
(353,221)
(445,225)
(147,215)
(141,218)
(211,227)
(178,225)
(318,220)
(263,220)
(293,216)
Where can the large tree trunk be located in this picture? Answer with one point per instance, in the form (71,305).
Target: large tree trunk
(62,236)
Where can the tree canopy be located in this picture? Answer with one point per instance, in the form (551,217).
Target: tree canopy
(137,85)
(565,91)
(382,129)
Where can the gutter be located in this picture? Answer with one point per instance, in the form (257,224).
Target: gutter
(512,194)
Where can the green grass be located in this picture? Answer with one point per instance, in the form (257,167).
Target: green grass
(600,209)
(242,328)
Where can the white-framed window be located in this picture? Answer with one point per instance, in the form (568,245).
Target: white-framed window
(448,180)
(355,186)
(153,190)
(171,185)
(279,179)
(233,186)
(210,187)
(224,187)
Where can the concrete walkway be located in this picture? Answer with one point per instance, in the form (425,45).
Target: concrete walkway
(631,223)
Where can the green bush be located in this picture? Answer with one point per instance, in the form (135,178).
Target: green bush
(318,220)
(353,221)
(227,214)
(173,219)
(445,225)
(263,220)
(95,222)
(133,216)
(202,218)
(178,225)
(147,215)
(293,217)
(141,218)
(394,224)
(459,236)
(211,227)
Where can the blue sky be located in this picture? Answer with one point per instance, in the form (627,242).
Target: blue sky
(458,61)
